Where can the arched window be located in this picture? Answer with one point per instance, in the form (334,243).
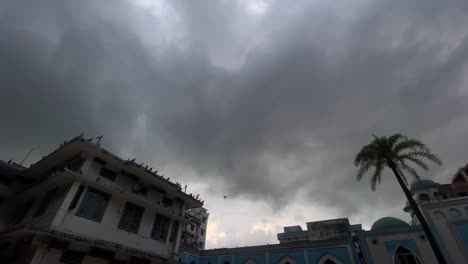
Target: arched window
(454,212)
(405,256)
(287,260)
(329,259)
(423,197)
(439,215)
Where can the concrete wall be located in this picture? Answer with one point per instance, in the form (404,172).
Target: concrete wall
(11,208)
(381,247)
(342,254)
(450,219)
(107,229)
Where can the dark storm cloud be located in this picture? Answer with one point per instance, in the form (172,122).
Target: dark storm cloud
(309,86)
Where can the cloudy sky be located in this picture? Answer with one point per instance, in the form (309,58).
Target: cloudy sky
(263,101)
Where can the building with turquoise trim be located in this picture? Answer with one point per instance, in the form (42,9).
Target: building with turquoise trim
(389,241)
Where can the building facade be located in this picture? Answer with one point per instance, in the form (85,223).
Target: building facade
(389,241)
(83,204)
(194,233)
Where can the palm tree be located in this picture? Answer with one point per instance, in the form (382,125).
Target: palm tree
(397,152)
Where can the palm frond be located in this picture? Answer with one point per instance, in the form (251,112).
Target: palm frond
(415,160)
(364,169)
(410,145)
(424,154)
(377,176)
(367,153)
(412,171)
(393,139)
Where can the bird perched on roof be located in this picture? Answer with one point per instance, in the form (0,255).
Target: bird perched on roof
(225,197)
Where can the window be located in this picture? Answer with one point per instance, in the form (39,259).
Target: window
(203,219)
(424,197)
(117,261)
(101,253)
(72,257)
(21,212)
(93,205)
(138,189)
(160,228)
(75,163)
(202,232)
(454,212)
(167,202)
(100,161)
(439,215)
(404,256)
(175,229)
(137,260)
(200,245)
(131,218)
(77,196)
(108,174)
(5,180)
(192,227)
(45,202)
(287,260)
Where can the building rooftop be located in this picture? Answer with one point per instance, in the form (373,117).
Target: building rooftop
(386,223)
(423,184)
(74,147)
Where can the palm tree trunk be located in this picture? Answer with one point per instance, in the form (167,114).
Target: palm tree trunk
(419,215)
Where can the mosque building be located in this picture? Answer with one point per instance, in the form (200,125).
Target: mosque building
(389,241)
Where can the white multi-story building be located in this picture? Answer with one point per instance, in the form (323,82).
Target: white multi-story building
(83,204)
(318,230)
(194,233)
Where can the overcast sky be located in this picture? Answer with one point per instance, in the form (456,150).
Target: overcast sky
(265,102)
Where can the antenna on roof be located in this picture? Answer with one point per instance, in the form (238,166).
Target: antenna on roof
(27,155)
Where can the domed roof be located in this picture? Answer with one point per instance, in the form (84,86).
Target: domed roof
(386,223)
(423,184)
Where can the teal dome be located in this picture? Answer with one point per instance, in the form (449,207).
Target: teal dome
(386,223)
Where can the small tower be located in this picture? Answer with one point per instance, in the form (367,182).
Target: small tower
(424,191)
